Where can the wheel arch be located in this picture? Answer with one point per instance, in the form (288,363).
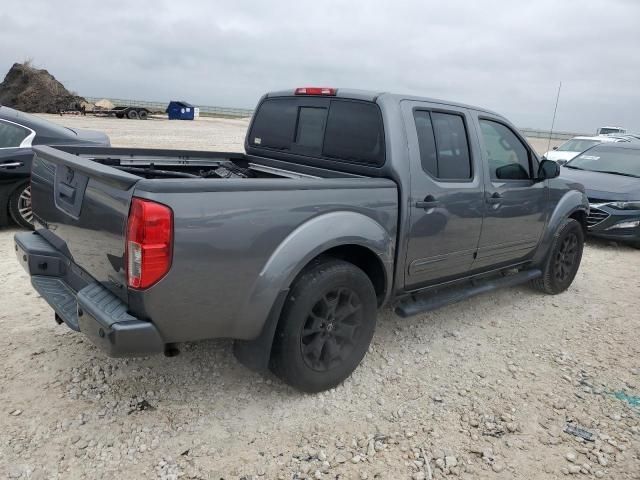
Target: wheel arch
(350,236)
(573,204)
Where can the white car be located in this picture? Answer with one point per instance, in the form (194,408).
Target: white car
(574,147)
(611,131)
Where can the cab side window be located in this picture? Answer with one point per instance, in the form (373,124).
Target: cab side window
(509,158)
(444,149)
(11,136)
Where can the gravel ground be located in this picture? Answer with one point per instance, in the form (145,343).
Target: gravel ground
(481,389)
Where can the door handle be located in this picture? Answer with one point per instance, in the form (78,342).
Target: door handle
(495,198)
(11,165)
(428,202)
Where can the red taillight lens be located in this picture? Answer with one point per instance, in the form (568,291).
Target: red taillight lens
(316,91)
(149,242)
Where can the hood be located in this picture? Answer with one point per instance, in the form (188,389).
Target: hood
(604,186)
(92,137)
(556,155)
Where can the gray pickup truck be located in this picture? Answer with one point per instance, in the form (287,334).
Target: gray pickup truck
(344,202)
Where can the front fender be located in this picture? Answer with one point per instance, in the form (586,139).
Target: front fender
(569,203)
(306,242)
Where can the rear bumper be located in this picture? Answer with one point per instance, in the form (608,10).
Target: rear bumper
(84,304)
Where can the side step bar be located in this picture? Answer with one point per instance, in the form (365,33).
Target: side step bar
(419,303)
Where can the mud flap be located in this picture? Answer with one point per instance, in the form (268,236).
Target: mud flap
(255,354)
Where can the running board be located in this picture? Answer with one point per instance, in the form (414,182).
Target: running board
(419,303)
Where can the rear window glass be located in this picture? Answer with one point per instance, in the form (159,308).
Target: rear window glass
(311,126)
(329,128)
(354,133)
(274,124)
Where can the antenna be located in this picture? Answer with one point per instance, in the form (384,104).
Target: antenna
(553,122)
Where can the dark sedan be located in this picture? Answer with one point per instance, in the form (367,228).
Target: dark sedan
(610,173)
(18,132)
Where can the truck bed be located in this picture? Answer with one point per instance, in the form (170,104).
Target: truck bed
(165,164)
(229,227)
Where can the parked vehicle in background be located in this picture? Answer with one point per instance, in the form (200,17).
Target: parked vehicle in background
(18,133)
(610,173)
(574,147)
(611,131)
(345,201)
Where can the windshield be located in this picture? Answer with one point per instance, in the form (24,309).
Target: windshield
(577,145)
(609,159)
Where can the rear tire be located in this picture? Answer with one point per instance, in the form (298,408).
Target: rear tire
(132,114)
(326,326)
(20,206)
(564,258)
(143,115)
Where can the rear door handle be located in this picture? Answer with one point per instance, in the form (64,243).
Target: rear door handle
(495,198)
(428,202)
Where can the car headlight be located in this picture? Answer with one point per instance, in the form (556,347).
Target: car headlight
(631,205)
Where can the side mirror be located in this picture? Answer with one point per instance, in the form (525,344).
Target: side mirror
(548,169)
(555,148)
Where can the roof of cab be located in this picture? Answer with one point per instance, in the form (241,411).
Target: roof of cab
(372,96)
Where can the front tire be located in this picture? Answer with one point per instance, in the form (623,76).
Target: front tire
(564,259)
(326,326)
(20,206)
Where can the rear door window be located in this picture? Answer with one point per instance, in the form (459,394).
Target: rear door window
(321,127)
(443,144)
(12,135)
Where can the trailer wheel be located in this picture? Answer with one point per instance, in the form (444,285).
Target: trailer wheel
(118,115)
(132,114)
(143,115)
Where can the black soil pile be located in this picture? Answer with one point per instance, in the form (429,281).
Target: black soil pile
(29,89)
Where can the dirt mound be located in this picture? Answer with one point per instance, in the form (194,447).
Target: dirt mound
(30,89)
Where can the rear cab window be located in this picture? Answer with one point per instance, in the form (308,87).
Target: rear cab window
(320,128)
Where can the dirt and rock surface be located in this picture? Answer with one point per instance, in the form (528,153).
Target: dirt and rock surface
(483,389)
(31,89)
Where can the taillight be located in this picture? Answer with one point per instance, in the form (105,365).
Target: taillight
(316,91)
(148,242)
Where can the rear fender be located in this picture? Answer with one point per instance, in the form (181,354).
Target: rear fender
(305,243)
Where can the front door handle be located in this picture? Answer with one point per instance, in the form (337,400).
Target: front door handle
(495,198)
(428,202)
